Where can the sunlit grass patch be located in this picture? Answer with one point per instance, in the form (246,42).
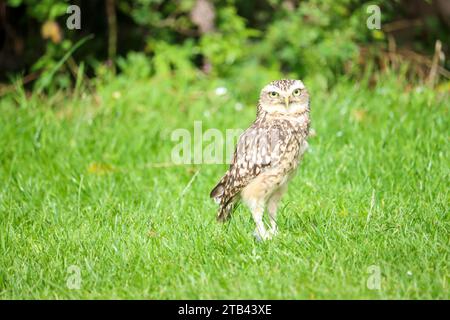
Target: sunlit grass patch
(80,185)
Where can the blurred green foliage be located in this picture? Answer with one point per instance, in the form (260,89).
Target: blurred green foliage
(318,39)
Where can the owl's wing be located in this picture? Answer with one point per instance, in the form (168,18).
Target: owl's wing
(251,157)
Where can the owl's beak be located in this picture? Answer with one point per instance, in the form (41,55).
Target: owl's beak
(286,101)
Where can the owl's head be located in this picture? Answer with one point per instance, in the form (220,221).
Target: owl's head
(284,97)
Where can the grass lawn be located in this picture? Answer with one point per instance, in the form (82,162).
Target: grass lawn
(80,190)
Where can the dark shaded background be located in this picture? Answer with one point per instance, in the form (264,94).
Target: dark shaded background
(410,28)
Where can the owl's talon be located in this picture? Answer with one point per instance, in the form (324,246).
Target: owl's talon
(262,237)
(273,231)
(257,236)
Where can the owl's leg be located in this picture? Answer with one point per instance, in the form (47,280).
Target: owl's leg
(272,207)
(255,196)
(257,209)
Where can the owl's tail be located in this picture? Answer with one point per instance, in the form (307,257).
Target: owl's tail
(224,212)
(226,207)
(218,191)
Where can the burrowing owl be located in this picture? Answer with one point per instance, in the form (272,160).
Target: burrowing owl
(267,154)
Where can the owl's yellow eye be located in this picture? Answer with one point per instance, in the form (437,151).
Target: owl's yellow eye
(296,92)
(273,94)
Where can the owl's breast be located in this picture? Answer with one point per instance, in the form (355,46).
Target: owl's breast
(289,152)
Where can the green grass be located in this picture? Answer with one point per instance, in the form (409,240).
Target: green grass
(78,186)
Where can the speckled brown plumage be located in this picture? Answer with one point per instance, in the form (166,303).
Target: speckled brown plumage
(267,154)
